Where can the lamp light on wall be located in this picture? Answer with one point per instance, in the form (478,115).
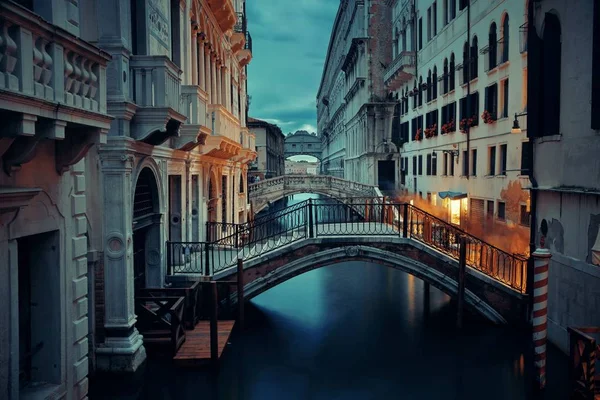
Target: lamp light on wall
(455,153)
(516,128)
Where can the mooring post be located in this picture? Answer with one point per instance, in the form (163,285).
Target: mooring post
(541,262)
(214,334)
(462,266)
(240,292)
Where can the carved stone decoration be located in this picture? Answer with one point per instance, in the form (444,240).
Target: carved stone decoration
(352,251)
(158,137)
(71,150)
(20,152)
(115,246)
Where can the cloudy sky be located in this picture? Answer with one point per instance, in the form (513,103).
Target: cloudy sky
(289,45)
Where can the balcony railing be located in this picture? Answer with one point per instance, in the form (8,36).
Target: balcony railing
(248,45)
(40,61)
(194,103)
(223,123)
(155,82)
(404,59)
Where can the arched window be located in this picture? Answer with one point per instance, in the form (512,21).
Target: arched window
(474,58)
(466,63)
(505,39)
(420,91)
(550,85)
(452,72)
(429,86)
(493,39)
(434,83)
(415,95)
(445,86)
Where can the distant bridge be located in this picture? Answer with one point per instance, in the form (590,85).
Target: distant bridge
(316,233)
(269,191)
(302,143)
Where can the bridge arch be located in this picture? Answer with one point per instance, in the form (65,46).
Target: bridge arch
(318,259)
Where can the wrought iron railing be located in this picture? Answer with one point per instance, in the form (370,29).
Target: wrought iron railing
(369,216)
(584,352)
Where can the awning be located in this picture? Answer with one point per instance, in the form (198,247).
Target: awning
(452,195)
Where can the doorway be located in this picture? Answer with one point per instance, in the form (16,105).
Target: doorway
(386,174)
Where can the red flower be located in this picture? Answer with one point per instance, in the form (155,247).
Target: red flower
(487,117)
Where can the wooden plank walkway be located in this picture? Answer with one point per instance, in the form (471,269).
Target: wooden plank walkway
(196,348)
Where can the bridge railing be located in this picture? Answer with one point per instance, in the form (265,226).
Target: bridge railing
(369,216)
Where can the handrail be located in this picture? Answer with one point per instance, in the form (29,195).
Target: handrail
(355,217)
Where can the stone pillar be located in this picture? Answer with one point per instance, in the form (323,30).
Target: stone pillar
(60,14)
(207,76)
(123,348)
(195,65)
(201,66)
(219,88)
(541,263)
(213,72)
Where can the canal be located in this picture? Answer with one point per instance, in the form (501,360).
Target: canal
(353,331)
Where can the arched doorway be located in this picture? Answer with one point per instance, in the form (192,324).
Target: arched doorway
(212,205)
(146,232)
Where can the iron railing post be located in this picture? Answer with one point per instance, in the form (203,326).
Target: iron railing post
(169,260)
(405,222)
(237,231)
(206,259)
(311,232)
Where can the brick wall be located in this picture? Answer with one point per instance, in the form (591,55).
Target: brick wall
(380,46)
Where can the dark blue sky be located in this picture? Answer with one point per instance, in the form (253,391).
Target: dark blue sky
(289,45)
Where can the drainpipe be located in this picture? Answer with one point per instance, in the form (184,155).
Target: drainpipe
(468,66)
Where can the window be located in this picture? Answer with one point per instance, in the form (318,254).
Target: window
(429,24)
(420,33)
(446,12)
(524,215)
(417,123)
(420,91)
(449,115)
(462,4)
(596,69)
(502,211)
(492,42)
(503,157)
(492,161)
(465,72)
(504,99)
(420,165)
(526,158)
(428,169)
(414,165)
(472,103)
(445,77)
(434,18)
(452,72)
(491,100)
(445,164)
(451,164)
(551,76)
(429,87)
(504,41)
(490,208)
(465,163)
(431,119)
(474,59)
(415,95)
(452,9)
(474,162)
(434,84)
(434,166)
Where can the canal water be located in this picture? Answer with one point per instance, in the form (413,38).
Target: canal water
(353,331)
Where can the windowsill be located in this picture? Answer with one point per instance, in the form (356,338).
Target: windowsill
(452,91)
(501,176)
(491,71)
(505,64)
(551,138)
(503,220)
(490,176)
(474,80)
(473,177)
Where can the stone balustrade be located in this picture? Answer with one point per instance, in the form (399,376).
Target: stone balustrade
(194,104)
(41,61)
(224,123)
(155,82)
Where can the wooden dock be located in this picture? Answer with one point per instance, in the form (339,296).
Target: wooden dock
(196,348)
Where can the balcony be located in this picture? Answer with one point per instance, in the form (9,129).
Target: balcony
(224,12)
(244,56)
(224,140)
(193,105)
(238,39)
(400,71)
(156,90)
(52,86)
(248,142)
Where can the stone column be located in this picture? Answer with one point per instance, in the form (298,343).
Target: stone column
(195,65)
(540,312)
(213,72)
(207,76)
(219,73)
(201,66)
(123,348)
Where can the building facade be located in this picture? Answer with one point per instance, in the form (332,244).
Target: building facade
(563,122)
(354,112)
(176,155)
(269,148)
(301,167)
(53,108)
(458,75)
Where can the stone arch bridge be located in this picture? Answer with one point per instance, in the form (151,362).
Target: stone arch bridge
(302,143)
(266,192)
(317,233)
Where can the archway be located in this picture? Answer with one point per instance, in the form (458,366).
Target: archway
(213,197)
(146,232)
